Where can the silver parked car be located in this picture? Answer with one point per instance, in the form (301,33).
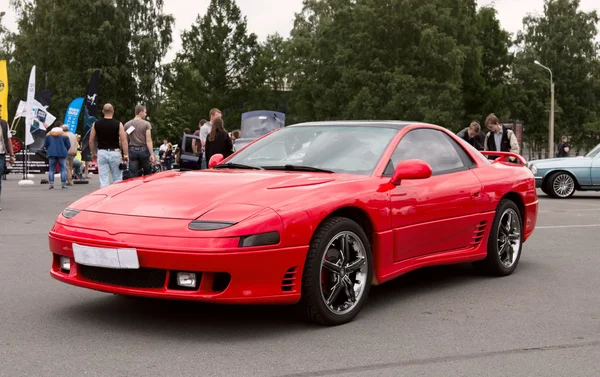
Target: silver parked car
(561,177)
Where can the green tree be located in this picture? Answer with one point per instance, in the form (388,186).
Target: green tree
(492,62)
(68,39)
(150,32)
(5,40)
(563,39)
(215,68)
(402,59)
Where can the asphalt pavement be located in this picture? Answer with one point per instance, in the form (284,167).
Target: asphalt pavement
(544,320)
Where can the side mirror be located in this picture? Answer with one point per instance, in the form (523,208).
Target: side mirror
(215,160)
(411,169)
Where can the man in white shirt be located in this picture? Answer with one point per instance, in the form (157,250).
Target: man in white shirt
(500,138)
(72,153)
(163,147)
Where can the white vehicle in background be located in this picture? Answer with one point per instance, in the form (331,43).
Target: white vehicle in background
(256,124)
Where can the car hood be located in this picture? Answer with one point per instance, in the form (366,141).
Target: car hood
(566,162)
(189,195)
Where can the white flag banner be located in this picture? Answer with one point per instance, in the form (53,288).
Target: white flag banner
(42,119)
(29,114)
(21,109)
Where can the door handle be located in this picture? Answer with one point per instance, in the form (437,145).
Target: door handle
(475,194)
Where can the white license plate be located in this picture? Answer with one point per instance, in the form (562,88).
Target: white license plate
(125,258)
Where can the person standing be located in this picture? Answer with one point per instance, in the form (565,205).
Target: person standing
(563,148)
(500,138)
(168,157)
(473,135)
(6,148)
(196,145)
(204,131)
(163,147)
(141,151)
(57,146)
(111,136)
(218,141)
(72,153)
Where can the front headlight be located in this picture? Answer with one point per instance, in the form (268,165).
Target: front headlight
(263,239)
(70,213)
(533,169)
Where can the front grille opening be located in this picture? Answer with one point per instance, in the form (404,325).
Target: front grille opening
(289,280)
(221,281)
(139,278)
(173,281)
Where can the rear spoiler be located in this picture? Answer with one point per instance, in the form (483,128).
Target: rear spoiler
(503,156)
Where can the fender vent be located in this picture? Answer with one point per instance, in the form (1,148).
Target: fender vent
(478,234)
(288,283)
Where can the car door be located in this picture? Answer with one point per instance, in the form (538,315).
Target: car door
(439,213)
(595,171)
(188,160)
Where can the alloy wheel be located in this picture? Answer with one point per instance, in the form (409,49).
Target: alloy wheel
(344,271)
(563,185)
(509,237)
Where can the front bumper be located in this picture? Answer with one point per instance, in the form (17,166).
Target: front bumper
(538,182)
(238,277)
(531,215)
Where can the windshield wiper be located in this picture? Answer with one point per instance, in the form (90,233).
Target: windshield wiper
(298,168)
(233,165)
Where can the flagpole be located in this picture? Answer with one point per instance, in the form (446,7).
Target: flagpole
(23,159)
(28,121)
(13,128)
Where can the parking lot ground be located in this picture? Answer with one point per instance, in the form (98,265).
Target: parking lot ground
(544,320)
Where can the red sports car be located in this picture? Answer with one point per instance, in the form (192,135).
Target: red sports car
(312,214)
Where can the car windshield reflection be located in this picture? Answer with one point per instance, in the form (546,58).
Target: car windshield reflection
(594,152)
(341,149)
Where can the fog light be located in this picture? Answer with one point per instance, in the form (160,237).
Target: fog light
(186,279)
(65,263)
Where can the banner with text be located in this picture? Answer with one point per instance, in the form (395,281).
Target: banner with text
(4,90)
(72,114)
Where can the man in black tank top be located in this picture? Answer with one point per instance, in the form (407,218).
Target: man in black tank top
(111,137)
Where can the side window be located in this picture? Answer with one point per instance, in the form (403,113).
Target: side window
(434,147)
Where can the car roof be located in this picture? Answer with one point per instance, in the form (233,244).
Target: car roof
(397,124)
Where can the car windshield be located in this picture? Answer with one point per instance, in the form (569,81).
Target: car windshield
(340,149)
(594,152)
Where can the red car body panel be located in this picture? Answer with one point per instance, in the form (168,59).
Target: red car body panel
(413,225)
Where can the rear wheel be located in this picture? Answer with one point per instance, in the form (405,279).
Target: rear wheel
(560,185)
(337,273)
(505,241)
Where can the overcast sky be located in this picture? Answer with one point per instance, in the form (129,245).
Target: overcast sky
(270,16)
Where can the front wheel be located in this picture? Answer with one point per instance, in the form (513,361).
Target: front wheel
(505,241)
(337,273)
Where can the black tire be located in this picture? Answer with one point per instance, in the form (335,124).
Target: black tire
(492,264)
(312,303)
(549,185)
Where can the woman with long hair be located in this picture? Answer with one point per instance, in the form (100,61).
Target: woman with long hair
(218,141)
